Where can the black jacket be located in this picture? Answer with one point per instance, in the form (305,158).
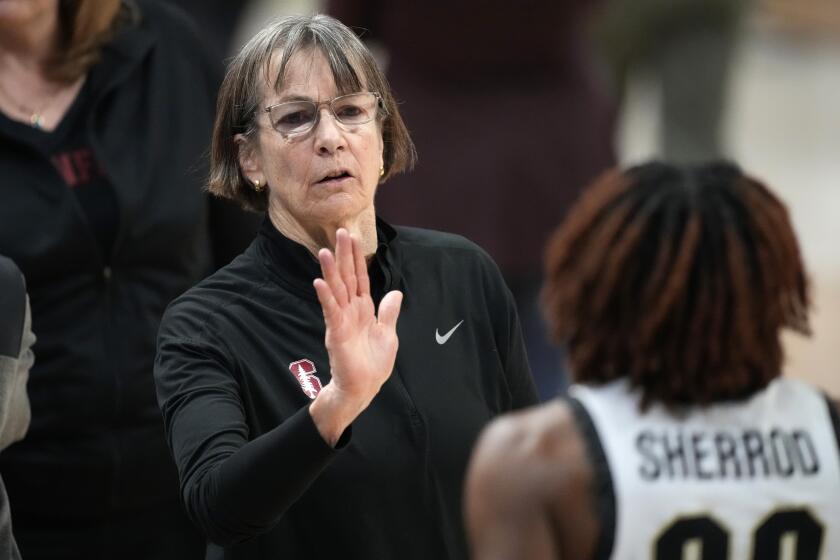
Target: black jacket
(96,439)
(255,473)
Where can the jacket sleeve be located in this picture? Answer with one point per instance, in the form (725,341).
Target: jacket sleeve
(520,381)
(233,487)
(509,339)
(16,357)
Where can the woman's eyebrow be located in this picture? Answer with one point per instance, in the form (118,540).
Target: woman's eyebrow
(294,97)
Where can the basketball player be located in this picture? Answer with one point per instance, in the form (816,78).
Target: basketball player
(681,439)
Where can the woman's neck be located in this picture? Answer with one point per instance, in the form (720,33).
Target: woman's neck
(27,92)
(318,236)
(29,46)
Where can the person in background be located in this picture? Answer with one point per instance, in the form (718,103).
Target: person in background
(217,21)
(681,438)
(688,47)
(16,358)
(510,122)
(299,430)
(105,110)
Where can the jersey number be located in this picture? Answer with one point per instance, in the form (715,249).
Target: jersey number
(713,539)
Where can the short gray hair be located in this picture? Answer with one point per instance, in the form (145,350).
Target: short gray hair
(353,68)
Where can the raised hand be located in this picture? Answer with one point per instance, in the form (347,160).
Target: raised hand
(361,346)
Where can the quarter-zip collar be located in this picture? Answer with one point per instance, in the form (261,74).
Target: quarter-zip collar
(295,267)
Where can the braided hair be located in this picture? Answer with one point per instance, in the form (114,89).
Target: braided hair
(679,279)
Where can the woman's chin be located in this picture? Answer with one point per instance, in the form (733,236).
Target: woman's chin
(339,207)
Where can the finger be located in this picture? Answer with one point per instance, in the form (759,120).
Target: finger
(331,276)
(344,260)
(389,308)
(328,304)
(362,279)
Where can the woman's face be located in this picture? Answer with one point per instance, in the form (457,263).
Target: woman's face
(325,177)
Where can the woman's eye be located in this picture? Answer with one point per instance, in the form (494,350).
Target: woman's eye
(349,111)
(295,118)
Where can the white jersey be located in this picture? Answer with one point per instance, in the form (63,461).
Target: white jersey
(755,479)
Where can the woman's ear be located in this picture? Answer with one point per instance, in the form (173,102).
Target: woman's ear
(249,161)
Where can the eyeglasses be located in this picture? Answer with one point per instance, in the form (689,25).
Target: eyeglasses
(294,118)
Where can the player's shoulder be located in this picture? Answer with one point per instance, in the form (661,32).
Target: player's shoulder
(524,428)
(533,465)
(540,447)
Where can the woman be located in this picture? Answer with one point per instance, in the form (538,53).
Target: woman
(682,438)
(290,447)
(105,108)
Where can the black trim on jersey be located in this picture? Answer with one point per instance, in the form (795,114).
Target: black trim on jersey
(835,418)
(604,491)
(12,308)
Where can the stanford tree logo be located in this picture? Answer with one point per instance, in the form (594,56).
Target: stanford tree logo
(304,372)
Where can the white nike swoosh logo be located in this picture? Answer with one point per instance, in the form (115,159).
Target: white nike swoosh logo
(444,338)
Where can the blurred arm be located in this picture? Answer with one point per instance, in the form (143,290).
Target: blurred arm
(505,516)
(530,489)
(16,357)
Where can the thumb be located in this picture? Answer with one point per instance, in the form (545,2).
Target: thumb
(389,309)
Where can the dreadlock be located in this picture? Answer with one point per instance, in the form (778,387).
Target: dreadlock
(678,278)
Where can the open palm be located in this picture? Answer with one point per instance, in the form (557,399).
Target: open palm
(361,346)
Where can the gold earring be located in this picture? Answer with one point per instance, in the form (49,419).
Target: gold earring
(382,171)
(257,186)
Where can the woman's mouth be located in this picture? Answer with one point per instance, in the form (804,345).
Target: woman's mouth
(334,178)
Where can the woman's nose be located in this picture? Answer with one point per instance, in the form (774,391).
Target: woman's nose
(329,136)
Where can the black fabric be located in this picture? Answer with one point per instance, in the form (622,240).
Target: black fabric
(123,537)
(86,178)
(604,491)
(219,19)
(100,206)
(67,147)
(255,473)
(95,447)
(12,308)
